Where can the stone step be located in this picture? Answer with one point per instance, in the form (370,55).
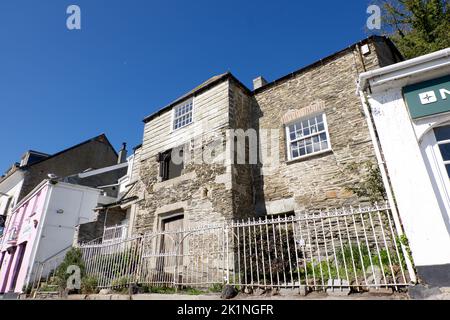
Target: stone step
(9,296)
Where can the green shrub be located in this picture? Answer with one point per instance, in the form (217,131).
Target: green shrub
(358,265)
(216,287)
(117,264)
(89,285)
(27,288)
(403,240)
(73,257)
(47,288)
(121,282)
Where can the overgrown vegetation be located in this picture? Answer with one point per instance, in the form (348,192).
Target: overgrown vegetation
(74,257)
(121,282)
(403,240)
(58,282)
(354,261)
(417,27)
(350,261)
(216,287)
(89,285)
(119,264)
(172,290)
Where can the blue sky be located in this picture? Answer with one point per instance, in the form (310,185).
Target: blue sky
(131,57)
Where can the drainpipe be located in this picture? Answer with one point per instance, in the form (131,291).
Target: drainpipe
(387,185)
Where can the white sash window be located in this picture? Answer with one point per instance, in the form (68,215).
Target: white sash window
(307,136)
(182,114)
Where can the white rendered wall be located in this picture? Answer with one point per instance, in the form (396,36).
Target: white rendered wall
(77,204)
(415,185)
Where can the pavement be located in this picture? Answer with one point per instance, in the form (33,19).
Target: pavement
(418,292)
(310,296)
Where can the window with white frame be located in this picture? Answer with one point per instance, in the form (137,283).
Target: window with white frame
(307,136)
(182,114)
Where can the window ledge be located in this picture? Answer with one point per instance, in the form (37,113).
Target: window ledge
(174,181)
(180,128)
(310,156)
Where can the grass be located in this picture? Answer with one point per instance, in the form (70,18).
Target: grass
(185,290)
(192,291)
(216,288)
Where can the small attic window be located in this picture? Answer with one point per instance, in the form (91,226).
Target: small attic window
(182,114)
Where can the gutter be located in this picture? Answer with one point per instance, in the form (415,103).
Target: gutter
(366,76)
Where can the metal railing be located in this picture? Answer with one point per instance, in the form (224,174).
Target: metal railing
(46,270)
(354,247)
(115,233)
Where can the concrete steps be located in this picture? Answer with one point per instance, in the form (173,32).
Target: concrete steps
(46,291)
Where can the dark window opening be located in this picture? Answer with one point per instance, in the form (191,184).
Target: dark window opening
(2,258)
(281,215)
(442,135)
(170,168)
(2,224)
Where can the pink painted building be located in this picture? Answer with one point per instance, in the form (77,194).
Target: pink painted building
(41,226)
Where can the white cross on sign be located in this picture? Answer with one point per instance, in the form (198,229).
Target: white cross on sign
(427,97)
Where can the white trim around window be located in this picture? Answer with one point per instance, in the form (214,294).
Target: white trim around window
(307,136)
(182,114)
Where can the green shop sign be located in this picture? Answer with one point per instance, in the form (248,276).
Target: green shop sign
(428,98)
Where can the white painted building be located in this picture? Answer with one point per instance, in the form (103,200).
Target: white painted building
(409,105)
(41,229)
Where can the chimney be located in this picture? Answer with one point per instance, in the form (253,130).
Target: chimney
(259,82)
(122,157)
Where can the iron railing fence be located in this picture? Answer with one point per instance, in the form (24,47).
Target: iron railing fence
(43,272)
(354,247)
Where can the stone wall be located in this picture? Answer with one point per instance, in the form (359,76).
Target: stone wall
(319,181)
(213,193)
(94,154)
(242,185)
(94,230)
(203,193)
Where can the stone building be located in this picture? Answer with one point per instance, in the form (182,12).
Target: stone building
(309,129)
(35,167)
